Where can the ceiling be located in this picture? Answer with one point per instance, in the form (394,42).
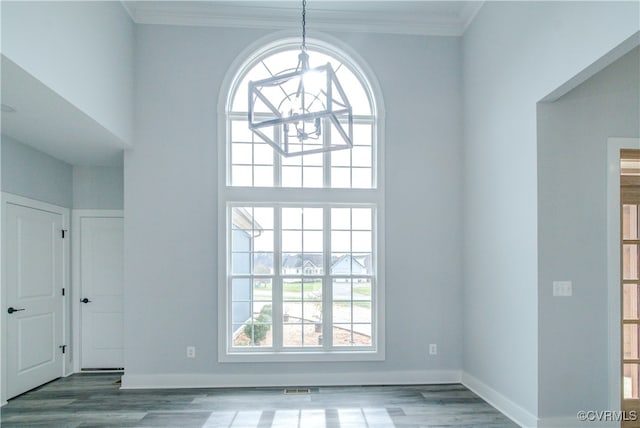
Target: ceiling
(442,18)
(49,123)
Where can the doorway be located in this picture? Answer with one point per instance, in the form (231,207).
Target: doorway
(34,269)
(630,285)
(98,273)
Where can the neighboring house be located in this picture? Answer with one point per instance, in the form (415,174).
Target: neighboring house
(348,264)
(311,264)
(366,262)
(302,264)
(310,268)
(243,232)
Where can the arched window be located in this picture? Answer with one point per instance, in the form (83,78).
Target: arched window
(301,264)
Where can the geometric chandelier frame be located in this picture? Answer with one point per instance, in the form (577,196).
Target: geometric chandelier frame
(307,109)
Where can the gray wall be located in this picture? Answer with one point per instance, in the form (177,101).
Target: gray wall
(171,203)
(33,174)
(572,181)
(81,50)
(97,187)
(515,54)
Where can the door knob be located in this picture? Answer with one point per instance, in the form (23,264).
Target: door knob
(85,300)
(12,310)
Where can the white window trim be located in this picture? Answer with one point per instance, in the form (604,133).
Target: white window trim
(299,197)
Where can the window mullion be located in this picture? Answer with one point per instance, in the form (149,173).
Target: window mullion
(350,169)
(374,311)
(277,164)
(326,166)
(327,284)
(230,274)
(373,276)
(277,283)
(229,332)
(302,276)
(351,270)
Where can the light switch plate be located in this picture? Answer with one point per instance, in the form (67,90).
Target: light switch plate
(562,288)
(191,351)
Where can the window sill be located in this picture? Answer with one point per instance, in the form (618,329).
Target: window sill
(306,356)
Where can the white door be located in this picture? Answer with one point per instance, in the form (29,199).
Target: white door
(34,275)
(101,279)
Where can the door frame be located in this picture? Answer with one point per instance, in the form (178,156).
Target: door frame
(614,144)
(9,198)
(76,283)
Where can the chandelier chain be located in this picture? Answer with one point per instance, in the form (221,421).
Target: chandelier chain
(304,25)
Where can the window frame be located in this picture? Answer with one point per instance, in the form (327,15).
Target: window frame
(278,165)
(229,196)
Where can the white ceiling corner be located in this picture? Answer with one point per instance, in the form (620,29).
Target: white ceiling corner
(127,5)
(469,12)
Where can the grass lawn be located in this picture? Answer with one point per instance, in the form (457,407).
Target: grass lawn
(292,290)
(361,304)
(365,291)
(296,287)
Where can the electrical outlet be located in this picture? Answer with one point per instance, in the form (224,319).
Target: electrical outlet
(562,288)
(433,349)
(191,351)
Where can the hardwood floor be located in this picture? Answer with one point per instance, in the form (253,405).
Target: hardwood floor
(95,400)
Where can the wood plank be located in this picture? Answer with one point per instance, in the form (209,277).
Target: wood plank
(95,400)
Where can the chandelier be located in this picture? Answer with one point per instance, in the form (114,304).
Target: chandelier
(303,111)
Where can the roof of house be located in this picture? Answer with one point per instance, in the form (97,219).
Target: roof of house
(298,260)
(355,260)
(242,219)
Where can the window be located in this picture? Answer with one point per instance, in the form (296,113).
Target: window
(301,266)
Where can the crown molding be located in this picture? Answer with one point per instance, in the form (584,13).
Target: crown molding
(359,17)
(128,7)
(469,12)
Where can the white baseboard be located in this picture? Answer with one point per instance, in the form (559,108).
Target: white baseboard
(510,409)
(199,380)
